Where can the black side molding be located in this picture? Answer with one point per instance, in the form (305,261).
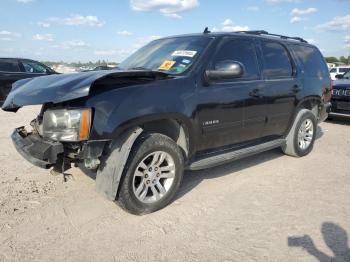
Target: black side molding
(226,157)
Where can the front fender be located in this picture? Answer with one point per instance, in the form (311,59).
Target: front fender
(118,110)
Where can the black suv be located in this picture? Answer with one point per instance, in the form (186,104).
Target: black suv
(14,69)
(184,102)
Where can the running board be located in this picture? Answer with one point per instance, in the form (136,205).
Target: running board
(223,158)
(338,114)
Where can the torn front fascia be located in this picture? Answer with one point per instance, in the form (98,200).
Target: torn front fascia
(92,149)
(91,153)
(32,147)
(62,164)
(88,152)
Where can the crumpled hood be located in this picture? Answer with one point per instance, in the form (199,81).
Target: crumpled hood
(64,87)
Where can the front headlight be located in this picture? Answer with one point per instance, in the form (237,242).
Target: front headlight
(67,125)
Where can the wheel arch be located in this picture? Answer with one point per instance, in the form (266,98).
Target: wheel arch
(172,128)
(311,103)
(176,126)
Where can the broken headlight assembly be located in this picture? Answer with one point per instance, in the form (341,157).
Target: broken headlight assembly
(67,125)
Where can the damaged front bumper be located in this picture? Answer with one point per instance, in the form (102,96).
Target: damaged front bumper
(46,153)
(59,156)
(36,150)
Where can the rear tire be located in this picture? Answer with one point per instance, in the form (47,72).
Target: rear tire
(302,135)
(152,175)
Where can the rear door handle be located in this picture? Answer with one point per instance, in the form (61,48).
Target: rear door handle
(256,93)
(296,88)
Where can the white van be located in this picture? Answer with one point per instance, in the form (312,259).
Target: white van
(338,70)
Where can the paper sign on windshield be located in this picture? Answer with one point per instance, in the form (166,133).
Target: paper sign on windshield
(187,53)
(166,65)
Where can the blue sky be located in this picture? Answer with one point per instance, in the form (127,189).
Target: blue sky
(84,30)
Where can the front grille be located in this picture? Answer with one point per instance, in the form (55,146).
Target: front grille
(343,105)
(341,92)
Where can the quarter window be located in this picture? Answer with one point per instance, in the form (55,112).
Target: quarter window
(9,66)
(238,50)
(312,61)
(276,61)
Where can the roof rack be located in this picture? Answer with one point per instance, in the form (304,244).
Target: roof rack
(263,32)
(206,31)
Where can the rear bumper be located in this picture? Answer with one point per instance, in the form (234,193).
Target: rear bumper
(324,111)
(33,148)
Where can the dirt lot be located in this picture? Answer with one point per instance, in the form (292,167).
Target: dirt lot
(269,207)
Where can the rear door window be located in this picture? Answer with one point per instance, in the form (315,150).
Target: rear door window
(238,50)
(312,61)
(9,66)
(276,61)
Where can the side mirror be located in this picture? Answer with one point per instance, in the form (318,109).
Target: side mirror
(339,76)
(226,70)
(50,72)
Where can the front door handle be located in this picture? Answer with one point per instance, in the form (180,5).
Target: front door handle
(256,93)
(296,88)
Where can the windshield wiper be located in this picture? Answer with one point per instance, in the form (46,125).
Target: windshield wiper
(147,69)
(139,68)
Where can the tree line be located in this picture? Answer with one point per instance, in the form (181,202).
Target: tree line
(81,64)
(342,59)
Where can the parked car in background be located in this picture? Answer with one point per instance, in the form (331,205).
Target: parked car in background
(331,65)
(341,95)
(13,69)
(339,70)
(100,68)
(184,102)
(97,68)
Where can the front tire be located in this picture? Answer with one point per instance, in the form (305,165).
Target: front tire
(152,175)
(302,135)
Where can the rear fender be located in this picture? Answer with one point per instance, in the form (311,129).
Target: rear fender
(305,103)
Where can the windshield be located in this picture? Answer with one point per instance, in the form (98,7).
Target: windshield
(347,75)
(170,55)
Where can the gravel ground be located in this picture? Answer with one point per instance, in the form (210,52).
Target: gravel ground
(269,207)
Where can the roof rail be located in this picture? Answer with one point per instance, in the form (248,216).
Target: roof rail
(206,31)
(263,32)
